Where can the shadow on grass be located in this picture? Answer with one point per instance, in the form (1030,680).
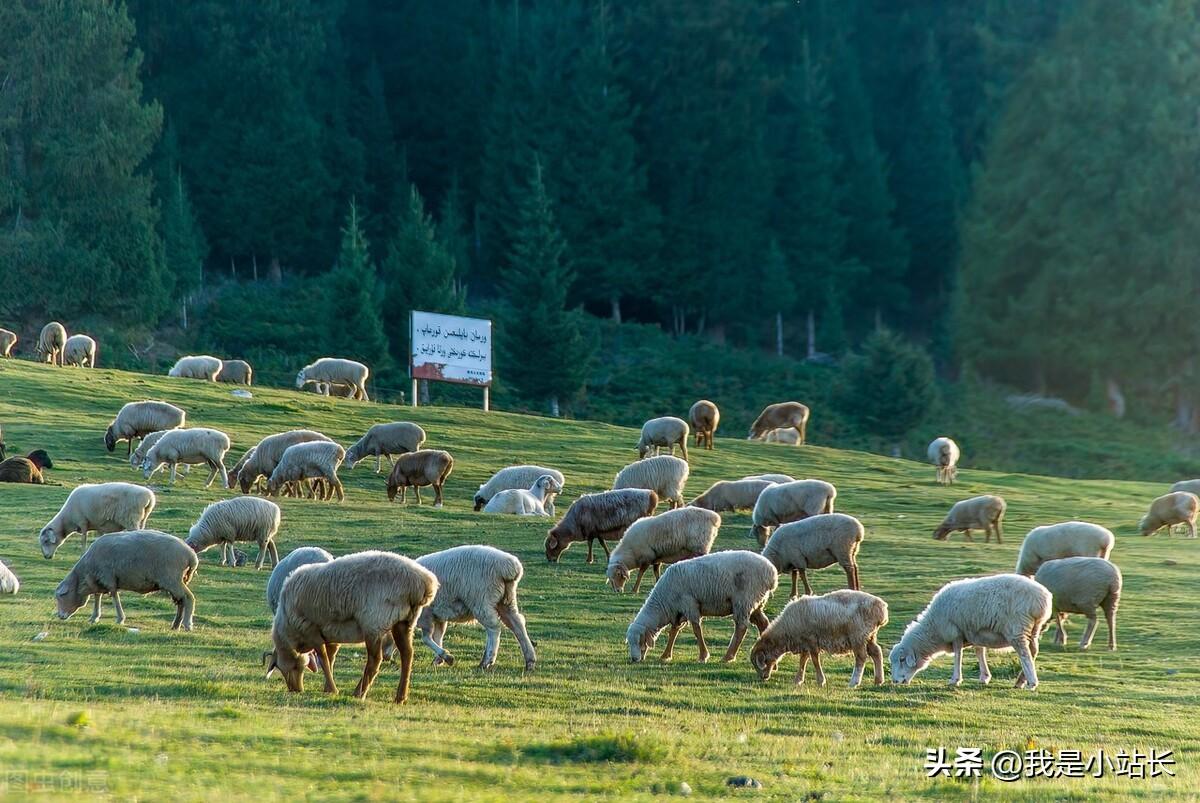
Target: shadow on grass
(601,748)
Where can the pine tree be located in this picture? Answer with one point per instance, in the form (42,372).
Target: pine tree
(184,245)
(779,297)
(889,388)
(373,127)
(453,235)
(354,311)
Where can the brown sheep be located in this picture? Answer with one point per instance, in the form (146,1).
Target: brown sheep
(704,417)
(422,467)
(26,470)
(599,517)
(778,416)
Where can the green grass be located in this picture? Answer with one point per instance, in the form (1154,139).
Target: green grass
(188,716)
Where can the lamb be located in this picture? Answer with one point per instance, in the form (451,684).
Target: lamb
(783,435)
(475,583)
(704,417)
(80,350)
(196,367)
(661,433)
(261,459)
(353,599)
(599,517)
(726,495)
(243,518)
(1177,507)
(51,343)
(816,543)
(530,502)
(839,622)
(775,478)
(307,461)
(8,339)
(284,568)
(792,415)
(141,561)
(27,470)
(107,507)
(1081,585)
(999,612)
(424,467)
(139,419)
(736,583)
(386,440)
(665,475)
(198,445)
(790,501)
(979,513)
(236,372)
(332,370)
(650,542)
(515,477)
(9,584)
(944,454)
(1064,540)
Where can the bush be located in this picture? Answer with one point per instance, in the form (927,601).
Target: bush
(889,388)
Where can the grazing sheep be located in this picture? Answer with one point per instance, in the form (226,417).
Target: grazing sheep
(1081,585)
(144,447)
(424,467)
(1064,540)
(704,417)
(736,583)
(195,446)
(9,584)
(1177,507)
(998,612)
(816,543)
(784,435)
(783,415)
(977,513)
(515,477)
(236,372)
(139,419)
(475,584)
(386,440)
(789,501)
(141,561)
(663,433)
(775,478)
(262,458)
(665,475)
(107,507)
(8,339)
(839,622)
(1191,486)
(599,517)
(243,518)
(284,568)
(80,350)
(944,454)
(354,599)
(652,541)
(196,367)
(309,461)
(531,502)
(727,495)
(27,470)
(51,343)
(334,371)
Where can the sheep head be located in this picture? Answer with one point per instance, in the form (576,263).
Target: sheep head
(906,663)
(67,597)
(110,440)
(618,576)
(291,665)
(764,659)
(942,533)
(50,538)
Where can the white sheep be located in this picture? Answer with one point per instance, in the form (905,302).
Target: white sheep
(80,350)
(775,478)
(336,371)
(1190,486)
(663,433)
(944,454)
(106,507)
(839,622)
(731,495)
(236,372)
(195,446)
(243,518)
(977,513)
(704,417)
(786,435)
(51,342)
(998,612)
(475,583)
(1081,585)
(665,475)
(1177,507)
(513,478)
(650,542)
(262,458)
(386,440)
(8,339)
(736,583)
(309,461)
(816,542)
(200,366)
(8,581)
(787,502)
(531,502)
(144,447)
(138,419)
(284,568)
(1066,539)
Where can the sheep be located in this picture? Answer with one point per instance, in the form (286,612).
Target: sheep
(516,477)
(144,447)
(1177,507)
(1063,540)
(775,478)
(651,541)
(236,372)
(139,419)
(332,370)
(9,584)
(386,440)
(599,517)
(51,342)
(816,543)
(106,507)
(726,495)
(531,502)
(736,583)
(262,458)
(306,461)
(198,445)
(789,501)
(353,599)
(475,583)
(944,454)
(8,339)
(792,415)
(783,435)
(284,568)
(704,417)
(243,518)
(979,512)
(27,470)
(1081,585)
(1191,486)
(661,433)
(839,622)
(998,612)
(196,367)
(141,561)
(665,475)
(80,350)
(424,467)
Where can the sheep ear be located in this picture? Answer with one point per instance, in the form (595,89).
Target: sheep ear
(268,660)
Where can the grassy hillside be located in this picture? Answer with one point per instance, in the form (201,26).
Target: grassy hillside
(155,714)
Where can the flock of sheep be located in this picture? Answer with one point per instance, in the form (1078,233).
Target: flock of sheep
(380,599)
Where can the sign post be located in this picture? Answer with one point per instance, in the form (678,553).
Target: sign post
(451,348)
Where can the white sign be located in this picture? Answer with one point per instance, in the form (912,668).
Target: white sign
(450,348)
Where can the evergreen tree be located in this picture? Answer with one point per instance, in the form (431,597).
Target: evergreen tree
(373,127)
(889,388)
(354,312)
(779,297)
(184,245)
(452,232)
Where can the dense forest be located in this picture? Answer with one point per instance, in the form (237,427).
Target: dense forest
(1010,184)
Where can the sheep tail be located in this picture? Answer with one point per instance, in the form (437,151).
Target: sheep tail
(509,598)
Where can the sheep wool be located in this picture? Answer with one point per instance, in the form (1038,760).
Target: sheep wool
(704,417)
(1081,585)
(531,502)
(944,454)
(665,475)
(80,351)
(792,415)
(730,495)
(138,419)
(329,371)
(787,502)
(9,584)
(386,440)
(262,458)
(512,478)
(977,513)
(243,518)
(1064,540)
(284,568)
(8,339)
(816,543)
(107,507)
(417,469)
(663,433)
(1177,507)
(236,372)
(195,446)
(652,541)
(51,342)
(201,366)
(311,460)
(599,517)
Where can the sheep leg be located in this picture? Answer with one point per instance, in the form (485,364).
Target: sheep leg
(816,659)
(491,645)
(174,472)
(417,491)
(437,495)
(591,559)
(760,620)
(188,607)
(440,654)
(1088,632)
(371,670)
(116,598)
(274,552)
(339,490)
(876,654)
(638,583)
(804,577)
(96,607)
(698,630)
(860,663)
(803,668)
(1060,630)
(515,622)
(378,462)
(851,575)
(956,674)
(1110,615)
(1026,652)
(1191,528)
(657,570)
(669,651)
(402,633)
(967,533)
(795,579)
(739,633)
(604,546)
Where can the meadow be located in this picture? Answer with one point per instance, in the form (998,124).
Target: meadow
(140,712)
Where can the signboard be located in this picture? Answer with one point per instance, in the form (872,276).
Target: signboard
(450,348)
